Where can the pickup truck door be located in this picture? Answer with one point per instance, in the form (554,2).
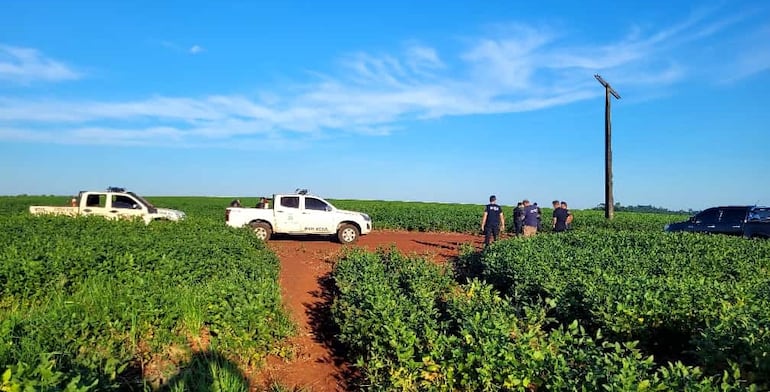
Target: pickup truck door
(731,220)
(317,216)
(124,207)
(706,221)
(93,204)
(287,215)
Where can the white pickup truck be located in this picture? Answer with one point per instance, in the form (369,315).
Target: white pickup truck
(114,203)
(301,214)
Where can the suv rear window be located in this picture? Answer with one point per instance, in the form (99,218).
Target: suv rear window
(708,217)
(733,215)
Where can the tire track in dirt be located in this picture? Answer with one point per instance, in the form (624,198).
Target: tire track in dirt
(305,263)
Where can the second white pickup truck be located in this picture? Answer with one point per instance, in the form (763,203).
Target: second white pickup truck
(301,214)
(114,203)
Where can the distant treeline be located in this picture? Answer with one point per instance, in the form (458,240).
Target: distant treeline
(645,208)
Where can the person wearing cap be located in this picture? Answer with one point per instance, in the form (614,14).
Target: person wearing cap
(492,220)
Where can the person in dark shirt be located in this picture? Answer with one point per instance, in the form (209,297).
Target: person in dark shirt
(531,219)
(569,214)
(518,218)
(556,205)
(492,220)
(559,223)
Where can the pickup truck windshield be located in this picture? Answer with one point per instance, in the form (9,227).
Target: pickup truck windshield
(141,199)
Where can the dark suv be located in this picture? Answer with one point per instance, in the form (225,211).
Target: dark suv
(723,220)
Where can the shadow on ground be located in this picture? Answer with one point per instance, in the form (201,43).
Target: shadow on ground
(303,238)
(325,331)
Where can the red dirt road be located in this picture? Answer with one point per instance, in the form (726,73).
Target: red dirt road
(304,263)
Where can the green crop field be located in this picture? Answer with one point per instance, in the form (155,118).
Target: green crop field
(605,308)
(91,304)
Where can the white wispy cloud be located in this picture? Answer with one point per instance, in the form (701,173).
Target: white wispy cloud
(422,60)
(753,56)
(175,47)
(518,68)
(25,65)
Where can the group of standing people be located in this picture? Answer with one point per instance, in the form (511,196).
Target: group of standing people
(527,219)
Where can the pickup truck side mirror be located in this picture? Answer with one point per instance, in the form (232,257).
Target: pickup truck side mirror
(692,219)
(136,207)
(328,209)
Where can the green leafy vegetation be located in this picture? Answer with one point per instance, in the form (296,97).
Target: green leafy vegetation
(92,304)
(650,209)
(699,298)
(614,310)
(89,302)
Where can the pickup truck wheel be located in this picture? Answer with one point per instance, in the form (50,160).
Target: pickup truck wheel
(347,234)
(261,230)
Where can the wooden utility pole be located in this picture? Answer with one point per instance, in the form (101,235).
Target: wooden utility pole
(609,200)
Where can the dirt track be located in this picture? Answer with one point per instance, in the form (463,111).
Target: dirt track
(304,264)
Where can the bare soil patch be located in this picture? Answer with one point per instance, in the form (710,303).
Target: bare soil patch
(305,266)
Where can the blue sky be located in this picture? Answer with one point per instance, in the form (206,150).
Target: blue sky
(431,101)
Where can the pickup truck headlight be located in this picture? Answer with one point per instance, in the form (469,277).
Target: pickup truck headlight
(665,228)
(366,217)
